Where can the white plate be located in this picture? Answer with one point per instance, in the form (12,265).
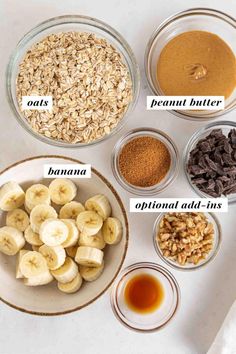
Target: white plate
(48,300)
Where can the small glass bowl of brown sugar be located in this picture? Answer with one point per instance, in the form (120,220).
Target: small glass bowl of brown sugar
(145,161)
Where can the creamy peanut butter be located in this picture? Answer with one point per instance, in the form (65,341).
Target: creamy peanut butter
(197,63)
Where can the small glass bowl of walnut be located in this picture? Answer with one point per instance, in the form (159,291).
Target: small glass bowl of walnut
(188,240)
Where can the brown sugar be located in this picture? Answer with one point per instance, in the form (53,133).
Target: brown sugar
(144,161)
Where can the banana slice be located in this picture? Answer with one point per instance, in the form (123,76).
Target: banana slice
(62,191)
(71,251)
(35,195)
(18,219)
(96,241)
(32,237)
(73,233)
(11,240)
(33,264)
(71,210)
(89,222)
(55,256)
(18,259)
(35,248)
(89,256)
(67,272)
(112,231)
(12,196)
(91,273)
(41,279)
(53,232)
(39,214)
(72,286)
(100,204)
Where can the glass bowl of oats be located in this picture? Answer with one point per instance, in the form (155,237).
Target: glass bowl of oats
(187,240)
(88,71)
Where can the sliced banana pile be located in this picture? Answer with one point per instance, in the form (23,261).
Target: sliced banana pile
(68,248)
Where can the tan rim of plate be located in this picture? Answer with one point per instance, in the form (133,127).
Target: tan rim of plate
(126,244)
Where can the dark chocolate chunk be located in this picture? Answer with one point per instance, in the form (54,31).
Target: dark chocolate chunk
(194,152)
(229,188)
(224,179)
(205,146)
(218,157)
(212,163)
(232,136)
(229,171)
(227,147)
(211,193)
(228,159)
(196,170)
(199,180)
(219,188)
(202,163)
(216,133)
(230,191)
(211,185)
(211,142)
(211,174)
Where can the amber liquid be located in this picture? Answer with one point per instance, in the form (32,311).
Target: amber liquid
(144,293)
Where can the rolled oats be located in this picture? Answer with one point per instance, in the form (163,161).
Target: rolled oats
(185,237)
(90,85)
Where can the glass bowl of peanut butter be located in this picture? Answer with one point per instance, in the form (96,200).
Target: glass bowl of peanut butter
(193,54)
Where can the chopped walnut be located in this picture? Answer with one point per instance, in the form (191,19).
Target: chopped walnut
(185,237)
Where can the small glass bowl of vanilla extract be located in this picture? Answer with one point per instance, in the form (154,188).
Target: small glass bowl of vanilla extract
(145,297)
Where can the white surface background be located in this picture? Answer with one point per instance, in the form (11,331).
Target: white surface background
(208,293)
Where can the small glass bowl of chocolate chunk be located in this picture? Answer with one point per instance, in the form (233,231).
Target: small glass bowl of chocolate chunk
(210,161)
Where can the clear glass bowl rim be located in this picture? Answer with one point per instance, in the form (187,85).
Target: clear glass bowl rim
(194,138)
(182,14)
(70,19)
(139,190)
(143,265)
(195,267)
